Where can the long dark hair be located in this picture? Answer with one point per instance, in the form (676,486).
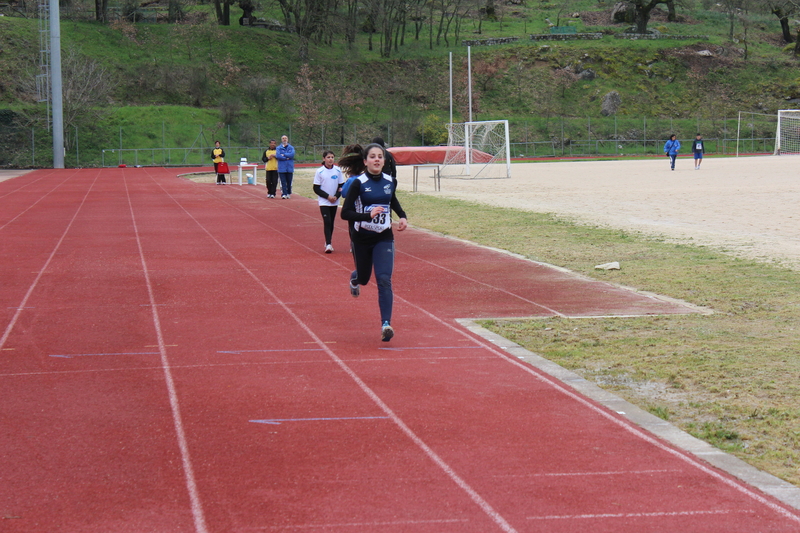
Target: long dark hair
(352,160)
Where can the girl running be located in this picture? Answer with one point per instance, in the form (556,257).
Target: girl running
(328,183)
(367,207)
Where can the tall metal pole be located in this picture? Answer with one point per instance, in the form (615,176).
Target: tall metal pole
(469,79)
(451,88)
(56,85)
(468,126)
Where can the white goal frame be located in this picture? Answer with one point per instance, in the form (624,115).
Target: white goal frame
(465,140)
(787,136)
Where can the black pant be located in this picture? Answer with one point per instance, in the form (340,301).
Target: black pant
(272,182)
(328,216)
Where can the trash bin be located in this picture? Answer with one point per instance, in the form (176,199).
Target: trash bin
(250,179)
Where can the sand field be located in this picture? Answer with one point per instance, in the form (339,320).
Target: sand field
(747,206)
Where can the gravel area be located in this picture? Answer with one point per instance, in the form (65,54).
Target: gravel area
(746,206)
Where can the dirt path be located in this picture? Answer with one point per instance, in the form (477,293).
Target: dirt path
(748,206)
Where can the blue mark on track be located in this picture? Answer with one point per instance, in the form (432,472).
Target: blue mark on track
(70,356)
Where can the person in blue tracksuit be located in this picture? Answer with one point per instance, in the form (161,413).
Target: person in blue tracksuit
(368,207)
(671,148)
(285,156)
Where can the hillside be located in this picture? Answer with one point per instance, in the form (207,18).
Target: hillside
(178,86)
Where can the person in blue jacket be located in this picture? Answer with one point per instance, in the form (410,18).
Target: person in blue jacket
(368,209)
(671,148)
(285,156)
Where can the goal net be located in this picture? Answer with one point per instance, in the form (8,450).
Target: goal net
(787,138)
(478,150)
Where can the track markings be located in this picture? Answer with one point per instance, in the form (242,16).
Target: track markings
(639,515)
(369,524)
(277,421)
(432,348)
(613,473)
(70,356)
(239,352)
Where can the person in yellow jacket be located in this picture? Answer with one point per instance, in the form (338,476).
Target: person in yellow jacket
(271,168)
(218,156)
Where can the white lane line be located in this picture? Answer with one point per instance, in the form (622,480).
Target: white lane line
(191,484)
(473,280)
(49,191)
(640,515)
(623,423)
(589,474)
(28,294)
(363,525)
(242,363)
(432,455)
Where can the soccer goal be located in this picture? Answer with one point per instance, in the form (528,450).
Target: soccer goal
(478,150)
(787,138)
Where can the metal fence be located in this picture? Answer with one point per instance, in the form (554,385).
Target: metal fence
(531,138)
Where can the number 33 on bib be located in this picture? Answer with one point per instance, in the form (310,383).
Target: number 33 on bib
(379,223)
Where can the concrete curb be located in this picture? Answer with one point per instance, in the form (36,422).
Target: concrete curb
(781,490)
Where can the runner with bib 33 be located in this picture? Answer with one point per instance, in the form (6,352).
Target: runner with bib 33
(368,209)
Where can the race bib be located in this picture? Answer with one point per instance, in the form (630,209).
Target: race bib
(698,146)
(380,223)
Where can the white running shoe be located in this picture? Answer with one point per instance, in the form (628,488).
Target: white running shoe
(328,249)
(386,332)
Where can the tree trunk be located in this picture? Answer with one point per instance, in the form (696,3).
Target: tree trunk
(101,10)
(786,30)
(642,19)
(672,17)
(797,45)
(175,11)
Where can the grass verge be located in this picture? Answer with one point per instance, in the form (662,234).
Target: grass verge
(730,378)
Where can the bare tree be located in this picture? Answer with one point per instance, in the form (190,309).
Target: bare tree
(86,90)
(783,9)
(642,9)
(307,18)
(101,10)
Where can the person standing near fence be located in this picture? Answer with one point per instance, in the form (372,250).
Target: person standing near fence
(389,165)
(271,168)
(671,148)
(698,148)
(370,200)
(285,155)
(328,181)
(218,156)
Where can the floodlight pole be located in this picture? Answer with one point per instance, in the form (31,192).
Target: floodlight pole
(56,86)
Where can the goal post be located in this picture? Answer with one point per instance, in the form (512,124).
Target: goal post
(787,136)
(477,150)
(754,133)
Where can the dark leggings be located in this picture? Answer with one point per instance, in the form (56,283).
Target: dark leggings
(328,216)
(672,160)
(380,257)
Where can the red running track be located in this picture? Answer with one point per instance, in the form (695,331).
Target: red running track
(182,357)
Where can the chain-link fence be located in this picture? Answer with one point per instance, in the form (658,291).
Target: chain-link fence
(190,144)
